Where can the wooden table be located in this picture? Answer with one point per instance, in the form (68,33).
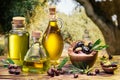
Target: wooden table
(4,75)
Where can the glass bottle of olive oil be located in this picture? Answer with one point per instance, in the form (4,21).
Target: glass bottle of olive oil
(36,59)
(18,40)
(52,38)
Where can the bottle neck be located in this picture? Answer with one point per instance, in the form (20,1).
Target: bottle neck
(18,26)
(35,40)
(52,17)
(53,23)
(52,20)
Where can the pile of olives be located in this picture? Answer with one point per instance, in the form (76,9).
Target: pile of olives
(14,69)
(80,46)
(55,72)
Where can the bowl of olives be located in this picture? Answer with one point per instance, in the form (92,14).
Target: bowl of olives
(81,54)
(108,66)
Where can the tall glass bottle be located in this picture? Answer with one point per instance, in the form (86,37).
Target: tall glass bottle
(18,40)
(52,38)
(36,59)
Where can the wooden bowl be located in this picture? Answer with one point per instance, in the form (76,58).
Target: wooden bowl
(82,60)
(109,70)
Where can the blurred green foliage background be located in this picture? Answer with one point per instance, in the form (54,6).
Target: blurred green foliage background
(10,8)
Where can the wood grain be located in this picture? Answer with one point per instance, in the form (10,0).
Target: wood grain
(4,75)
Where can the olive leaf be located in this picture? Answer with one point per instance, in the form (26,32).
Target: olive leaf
(96,43)
(74,69)
(101,47)
(97,46)
(6,62)
(62,63)
(10,61)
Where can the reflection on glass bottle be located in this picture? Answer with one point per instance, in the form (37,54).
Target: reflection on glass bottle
(52,38)
(18,40)
(36,59)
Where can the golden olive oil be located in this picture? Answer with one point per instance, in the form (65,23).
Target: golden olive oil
(36,59)
(36,67)
(18,40)
(53,41)
(52,38)
(18,44)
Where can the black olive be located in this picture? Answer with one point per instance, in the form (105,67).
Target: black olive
(85,49)
(90,45)
(56,72)
(90,74)
(10,66)
(110,57)
(12,71)
(17,72)
(80,44)
(97,71)
(75,75)
(50,73)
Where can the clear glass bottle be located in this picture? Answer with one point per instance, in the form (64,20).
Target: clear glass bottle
(36,59)
(52,38)
(18,40)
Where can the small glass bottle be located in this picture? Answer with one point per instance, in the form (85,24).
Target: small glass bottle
(36,59)
(52,38)
(18,40)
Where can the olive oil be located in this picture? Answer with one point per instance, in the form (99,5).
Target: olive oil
(18,46)
(36,67)
(52,38)
(53,42)
(18,41)
(36,60)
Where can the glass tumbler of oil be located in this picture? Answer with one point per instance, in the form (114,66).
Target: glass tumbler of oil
(18,40)
(36,59)
(52,38)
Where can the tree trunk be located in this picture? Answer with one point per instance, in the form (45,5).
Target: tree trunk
(100,13)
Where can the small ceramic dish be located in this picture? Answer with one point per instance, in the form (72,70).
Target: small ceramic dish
(109,70)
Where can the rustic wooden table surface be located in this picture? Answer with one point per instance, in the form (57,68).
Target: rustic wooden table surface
(4,75)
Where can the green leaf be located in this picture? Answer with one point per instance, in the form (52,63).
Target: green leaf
(96,43)
(74,69)
(63,62)
(6,62)
(10,61)
(101,47)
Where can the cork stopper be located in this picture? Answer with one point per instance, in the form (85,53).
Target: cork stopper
(36,34)
(52,10)
(18,20)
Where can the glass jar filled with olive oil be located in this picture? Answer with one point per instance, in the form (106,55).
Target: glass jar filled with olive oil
(18,40)
(36,59)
